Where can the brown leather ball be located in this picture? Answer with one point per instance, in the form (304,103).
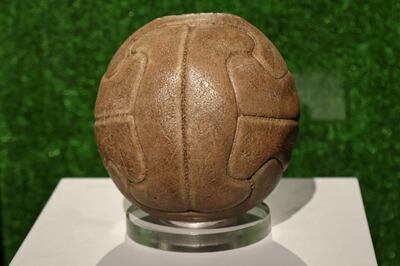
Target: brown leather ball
(196,117)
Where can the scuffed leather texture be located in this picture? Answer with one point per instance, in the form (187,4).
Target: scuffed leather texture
(196,117)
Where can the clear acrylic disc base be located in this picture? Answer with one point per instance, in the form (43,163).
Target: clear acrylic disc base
(224,234)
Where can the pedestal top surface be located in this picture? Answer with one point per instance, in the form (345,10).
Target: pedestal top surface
(316,222)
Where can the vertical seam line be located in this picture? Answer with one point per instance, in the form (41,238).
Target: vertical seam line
(184,119)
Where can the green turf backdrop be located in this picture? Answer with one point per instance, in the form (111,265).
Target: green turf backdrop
(343,54)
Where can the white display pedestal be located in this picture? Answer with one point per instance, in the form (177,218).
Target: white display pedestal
(316,222)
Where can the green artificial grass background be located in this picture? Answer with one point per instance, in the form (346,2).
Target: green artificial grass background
(344,56)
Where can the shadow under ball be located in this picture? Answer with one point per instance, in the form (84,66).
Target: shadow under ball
(196,117)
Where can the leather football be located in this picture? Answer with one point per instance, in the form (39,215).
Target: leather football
(196,117)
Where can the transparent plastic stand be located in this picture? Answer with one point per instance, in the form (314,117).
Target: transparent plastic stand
(225,234)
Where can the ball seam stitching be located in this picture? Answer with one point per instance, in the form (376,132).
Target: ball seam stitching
(184,119)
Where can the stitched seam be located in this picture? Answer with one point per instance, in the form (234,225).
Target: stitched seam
(279,161)
(250,181)
(228,172)
(239,114)
(268,159)
(248,33)
(141,176)
(282,120)
(104,117)
(184,119)
(132,126)
(133,108)
(200,23)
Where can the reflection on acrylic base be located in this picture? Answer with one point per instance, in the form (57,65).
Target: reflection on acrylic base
(225,234)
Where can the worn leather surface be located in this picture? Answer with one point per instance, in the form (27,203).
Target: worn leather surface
(196,117)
